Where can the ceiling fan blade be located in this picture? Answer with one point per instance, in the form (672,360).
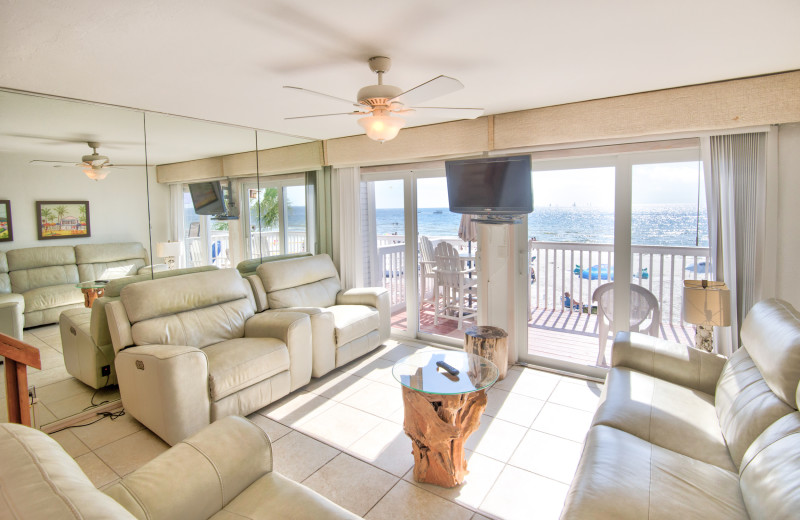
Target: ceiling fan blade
(356,113)
(56,164)
(451,112)
(314,92)
(434,88)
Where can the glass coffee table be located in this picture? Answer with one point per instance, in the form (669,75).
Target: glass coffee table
(92,291)
(442,409)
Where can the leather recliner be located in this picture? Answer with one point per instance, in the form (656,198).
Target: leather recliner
(191,350)
(345,325)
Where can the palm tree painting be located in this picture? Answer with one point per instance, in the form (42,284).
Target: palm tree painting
(63,219)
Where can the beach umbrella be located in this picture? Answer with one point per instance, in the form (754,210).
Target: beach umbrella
(467,229)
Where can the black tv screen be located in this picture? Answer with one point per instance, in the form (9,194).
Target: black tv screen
(490,186)
(207,198)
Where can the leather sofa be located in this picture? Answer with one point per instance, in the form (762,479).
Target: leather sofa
(85,338)
(12,305)
(42,279)
(344,324)
(222,472)
(683,433)
(248,267)
(191,349)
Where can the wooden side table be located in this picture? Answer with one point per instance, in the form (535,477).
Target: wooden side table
(442,410)
(488,342)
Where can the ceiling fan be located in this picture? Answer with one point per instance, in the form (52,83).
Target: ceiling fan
(379,102)
(94,165)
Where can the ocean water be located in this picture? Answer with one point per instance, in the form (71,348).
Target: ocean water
(652,224)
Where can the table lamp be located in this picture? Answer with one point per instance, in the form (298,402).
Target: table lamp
(169,251)
(706,304)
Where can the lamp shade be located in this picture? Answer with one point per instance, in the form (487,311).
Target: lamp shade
(167,249)
(706,303)
(381,128)
(96,174)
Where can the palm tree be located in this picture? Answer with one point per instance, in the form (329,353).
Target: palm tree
(82,215)
(60,211)
(268,207)
(47,216)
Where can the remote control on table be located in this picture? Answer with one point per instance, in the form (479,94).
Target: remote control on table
(450,369)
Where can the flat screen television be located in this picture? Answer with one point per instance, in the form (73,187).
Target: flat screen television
(207,198)
(490,186)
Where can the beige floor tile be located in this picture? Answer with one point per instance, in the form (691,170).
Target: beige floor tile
(563,421)
(42,414)
(581,396)
(39,378)
(104,488)
(385,446)
(50,358)
(547,455)
(62,390)
(106,431)
(478,516)
(351,483)
(80,402)
(375,370)
(529,382)
(483,472)
(297,456)
(406,501)
(130,453)
(378,399)
(399,351)
(340,425)
(519,494)
(70,443)
(296,408)
(337,385)
(97,470)
(496,438)
(275,430)
(511,407)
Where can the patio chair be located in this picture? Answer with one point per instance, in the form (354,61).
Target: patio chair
(427,265)
(456,285)
(643,305)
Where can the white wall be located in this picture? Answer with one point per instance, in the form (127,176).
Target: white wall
(788,268)
(117,204)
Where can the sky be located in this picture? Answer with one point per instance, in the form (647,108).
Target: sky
(667,183)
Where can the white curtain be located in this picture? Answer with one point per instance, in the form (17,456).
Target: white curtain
(176,231)
(736,187)
(347,247)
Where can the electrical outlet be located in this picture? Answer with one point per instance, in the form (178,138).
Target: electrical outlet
(105,370)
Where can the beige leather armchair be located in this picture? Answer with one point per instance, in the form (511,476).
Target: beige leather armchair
(222,472)
(12,306)
(191,350)
(344,324)
(682,433)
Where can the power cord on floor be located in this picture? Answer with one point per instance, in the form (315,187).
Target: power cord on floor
(91,401)
(113,415)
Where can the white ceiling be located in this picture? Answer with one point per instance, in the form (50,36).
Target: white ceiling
(227,61)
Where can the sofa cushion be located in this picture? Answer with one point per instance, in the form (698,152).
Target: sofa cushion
(113,252)
(110,270)
(5,281)
(302,282)
(771,335)
(29,279)
(39,480)
(52,296)
(33,257)
(745,404)
(353,321)
(166,296)
(770,471)
(198,328)
(668,415)
(238,363)
(621,476)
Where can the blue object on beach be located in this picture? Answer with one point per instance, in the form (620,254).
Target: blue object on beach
(577,270)
(645,274)
(701,267)
(216,250)
(601,272)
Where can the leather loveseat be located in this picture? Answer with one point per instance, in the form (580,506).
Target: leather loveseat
(344,324)
(191,349)
(681,433)
(85,338)
(222,472)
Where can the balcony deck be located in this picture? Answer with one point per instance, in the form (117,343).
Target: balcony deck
(562,335)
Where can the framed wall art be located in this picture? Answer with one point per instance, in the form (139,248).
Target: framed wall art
(63,219)
(6,231)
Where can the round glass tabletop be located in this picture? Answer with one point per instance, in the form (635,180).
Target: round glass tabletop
(420,372)
(96,284)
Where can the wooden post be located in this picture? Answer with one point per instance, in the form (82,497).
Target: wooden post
(490,343)
(19,356)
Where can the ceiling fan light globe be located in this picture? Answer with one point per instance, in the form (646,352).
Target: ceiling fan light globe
(382,128)
(96,174)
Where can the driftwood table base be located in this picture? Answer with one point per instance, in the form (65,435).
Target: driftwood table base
(438,426)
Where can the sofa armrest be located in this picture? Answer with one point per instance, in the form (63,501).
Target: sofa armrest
(259,293)
(154,268)
(166,388)
(377,297)
(679,364)
(119,326)
(294,329)
(211,468)
(12,309)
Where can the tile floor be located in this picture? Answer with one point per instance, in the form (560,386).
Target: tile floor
(342,436)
